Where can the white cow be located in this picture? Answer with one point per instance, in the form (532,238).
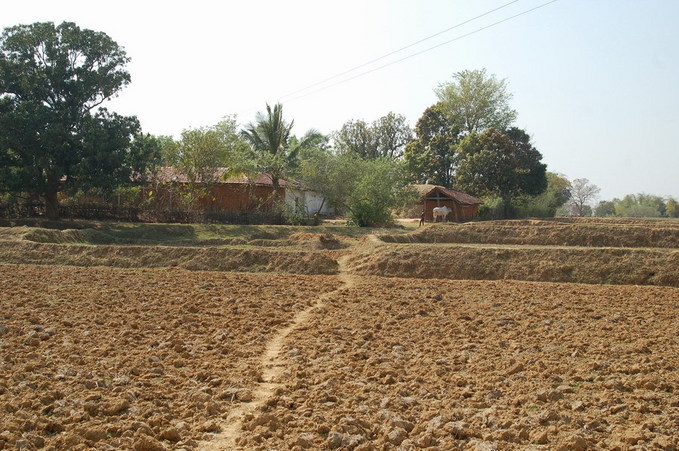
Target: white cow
(442,212)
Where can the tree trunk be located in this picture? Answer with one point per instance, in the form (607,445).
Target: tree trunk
(276,184)
(51,204)
(506,206)
(321,207)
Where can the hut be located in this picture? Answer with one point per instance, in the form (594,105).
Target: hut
(463,206)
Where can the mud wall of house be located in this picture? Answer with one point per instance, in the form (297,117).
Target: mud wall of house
(239,198)
(225,197)
(459,212)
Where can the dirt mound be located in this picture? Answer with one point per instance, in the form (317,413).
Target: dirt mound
(451,365)
(106,358)
(640,233)
(194,258)
(547,264)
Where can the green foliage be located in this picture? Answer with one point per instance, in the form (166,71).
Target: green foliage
(273,149)
(329,174)
(52,80)
(605,208)
(431,157)
(384,138)
(492,208)
(200,152)
(169,151)
(366,190)
(545,205)
(672,208)
(500,164)
(144,156)
(475,102)
(269,140)
(640,206)
(377,189)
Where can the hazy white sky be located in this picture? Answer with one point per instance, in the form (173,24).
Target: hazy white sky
(595,82)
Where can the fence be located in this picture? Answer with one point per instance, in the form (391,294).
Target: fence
(111,212)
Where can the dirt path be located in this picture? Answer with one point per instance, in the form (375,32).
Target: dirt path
(273,362)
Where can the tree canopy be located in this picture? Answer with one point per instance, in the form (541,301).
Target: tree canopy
(53,133)
(431,156)
(386,137)
(639,206)
(274,150)
(501,164)
(474,101)
(201,151)
(583,194)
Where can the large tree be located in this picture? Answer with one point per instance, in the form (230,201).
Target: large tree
(431,157)
(200,152)
(474,101)
(53,133)
(583,193)
(501,164)
(386,137)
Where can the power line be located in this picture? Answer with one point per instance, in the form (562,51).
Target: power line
(398,50)
(416,53)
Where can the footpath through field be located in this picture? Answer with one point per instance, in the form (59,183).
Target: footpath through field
(273,363)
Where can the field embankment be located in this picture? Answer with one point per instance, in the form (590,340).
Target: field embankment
(623,266)
(592,250)
(585,232)
(193,258)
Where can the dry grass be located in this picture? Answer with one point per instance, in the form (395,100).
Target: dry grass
(192,258)
(592,232)
(546,264)
(591,250)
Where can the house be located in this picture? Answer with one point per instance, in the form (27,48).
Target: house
(306,201)
(220,192)
(464,206)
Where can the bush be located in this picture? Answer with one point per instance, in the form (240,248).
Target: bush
(376,191)
(491,209)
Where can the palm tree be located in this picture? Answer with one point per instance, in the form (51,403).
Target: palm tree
(274,149)
(269,138)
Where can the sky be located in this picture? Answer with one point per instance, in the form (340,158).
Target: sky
(595,82)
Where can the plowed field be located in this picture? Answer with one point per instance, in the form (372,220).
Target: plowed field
(408,364)
(111,358)
(308,346)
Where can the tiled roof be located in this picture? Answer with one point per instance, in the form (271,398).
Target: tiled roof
(173,175)
(459,196)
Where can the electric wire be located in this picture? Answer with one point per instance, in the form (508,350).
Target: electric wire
(367,63)
(416,53)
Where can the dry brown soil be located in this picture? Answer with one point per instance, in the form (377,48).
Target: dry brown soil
(112,358)
(409,364)
(278,358)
